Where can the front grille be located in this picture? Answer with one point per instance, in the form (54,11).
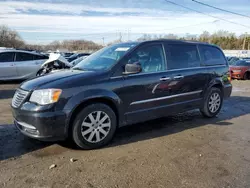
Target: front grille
(19,97)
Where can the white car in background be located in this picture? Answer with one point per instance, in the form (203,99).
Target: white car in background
(19,64)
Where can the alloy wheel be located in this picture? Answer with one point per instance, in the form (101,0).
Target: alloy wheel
(96,126)
(214,102)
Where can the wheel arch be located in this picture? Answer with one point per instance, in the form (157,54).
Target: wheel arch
(247,73)
(217,83)
(110,100)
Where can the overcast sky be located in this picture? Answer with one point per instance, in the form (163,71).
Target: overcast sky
(46,20)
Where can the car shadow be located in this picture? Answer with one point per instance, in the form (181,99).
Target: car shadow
(11,81)
(14,144)
(7,94)
(235,106)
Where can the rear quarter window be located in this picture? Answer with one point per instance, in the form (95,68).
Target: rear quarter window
(211,56)
(38,57)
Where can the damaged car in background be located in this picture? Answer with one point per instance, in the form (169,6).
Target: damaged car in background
(54,63)
(57,62)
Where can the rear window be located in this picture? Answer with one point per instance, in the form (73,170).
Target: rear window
(182,56)
(212,56)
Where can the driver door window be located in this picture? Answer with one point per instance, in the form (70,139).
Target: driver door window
(150,57)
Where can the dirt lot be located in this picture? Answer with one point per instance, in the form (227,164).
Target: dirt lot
(180,151)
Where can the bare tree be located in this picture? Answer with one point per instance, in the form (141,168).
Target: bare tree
(10,38)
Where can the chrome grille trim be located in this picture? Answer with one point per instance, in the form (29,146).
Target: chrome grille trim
(19,97)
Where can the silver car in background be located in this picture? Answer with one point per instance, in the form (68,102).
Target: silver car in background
(19,65)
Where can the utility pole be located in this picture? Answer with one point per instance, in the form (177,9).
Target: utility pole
(128,34)
(244,42)
(116,35)
(120,39)
(103,41)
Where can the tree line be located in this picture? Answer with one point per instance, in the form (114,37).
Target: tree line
(226,40)
(11,39)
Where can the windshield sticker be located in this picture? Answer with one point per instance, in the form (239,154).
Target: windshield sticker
(122,49)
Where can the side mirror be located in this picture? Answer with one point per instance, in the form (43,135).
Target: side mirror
(132,68)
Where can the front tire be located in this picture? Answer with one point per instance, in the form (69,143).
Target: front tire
(246,76)
(94,126)
(212,103)
(39,72)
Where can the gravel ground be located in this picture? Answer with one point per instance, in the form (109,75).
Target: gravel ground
(185,150)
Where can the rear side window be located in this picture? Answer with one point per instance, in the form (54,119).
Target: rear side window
(212,56)
(181,56)
(38,57)
(20,56)
(7,57)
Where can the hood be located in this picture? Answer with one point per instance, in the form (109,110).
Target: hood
(53,77)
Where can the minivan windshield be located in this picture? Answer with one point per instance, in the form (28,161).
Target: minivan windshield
(105,58)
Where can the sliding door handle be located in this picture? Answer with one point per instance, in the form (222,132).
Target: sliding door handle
(178,77)
(165,78)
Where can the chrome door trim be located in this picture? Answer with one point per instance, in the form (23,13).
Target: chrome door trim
(167,97)
(138,74)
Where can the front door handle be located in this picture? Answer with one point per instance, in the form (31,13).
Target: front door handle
(165,78)
(178,77)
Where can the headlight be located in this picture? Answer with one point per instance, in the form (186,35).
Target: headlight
(45,96)
(236,70)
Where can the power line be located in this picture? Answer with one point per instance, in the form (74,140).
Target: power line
(207,14)
(228,11)
(193,25)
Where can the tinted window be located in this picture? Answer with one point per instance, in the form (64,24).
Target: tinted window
(212,56)
(23,56)
(182,56)
(150,57)
(37,57)
(7,57)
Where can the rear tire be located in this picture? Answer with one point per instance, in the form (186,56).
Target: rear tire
(94,126)
(212,103)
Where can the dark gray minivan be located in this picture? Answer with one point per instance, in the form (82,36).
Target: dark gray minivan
(119,85)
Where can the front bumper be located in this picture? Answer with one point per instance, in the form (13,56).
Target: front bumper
(47,126)
(227,90)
